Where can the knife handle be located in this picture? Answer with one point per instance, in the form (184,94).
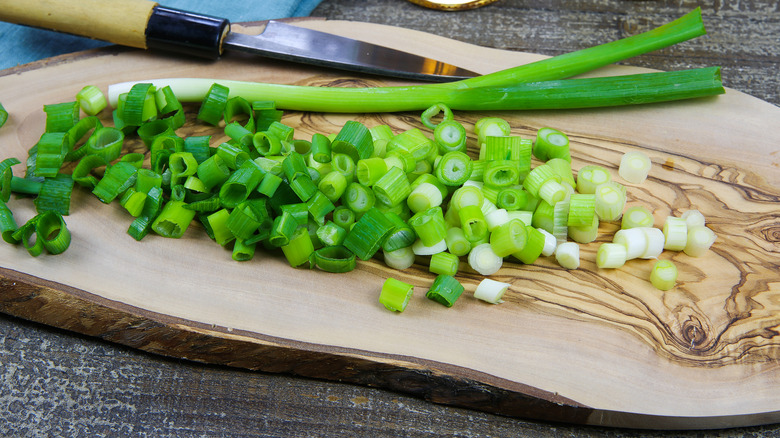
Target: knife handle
(134,23)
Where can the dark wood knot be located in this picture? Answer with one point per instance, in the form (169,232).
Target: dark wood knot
(772,234)
(693,333)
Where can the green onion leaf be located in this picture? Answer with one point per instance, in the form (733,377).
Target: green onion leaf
(6,176)
(198,146)
(77,133)
(395,294)
(182,165)
(354,139)
(473,223)
(585,233)
(370,170)
(140,106)
(283,229)
(149,130)
(333,185)
(269,184)
(582,209)
(133,201)
(213,172)
(52,232)
(676,233)
(610,201)
(415,142)
(61,117)
(560,226)
(27,234)
(236,109)
(81,173)
(173,220)
(663,276)
(637,216)
(423,197)
(331,234)
(533,246)
(319,206)
(551,143)
(562,168)
(501,173)
(105,142)
(344,217)
(233,155)
(213,106)
(454,168)
(445,290)
(335,259)
(265,113)
(368,234)
(490,127)
(169,107)
(450,136)
(401,236)
(243,251)
(429,225)
(320,148)
(304,187)
(444,263)
(299,249)
(457,243)
(7,224)
(512,198)
(427,116)
(240,184)
(509,238)
(51,152)
(392,188)
(115,181)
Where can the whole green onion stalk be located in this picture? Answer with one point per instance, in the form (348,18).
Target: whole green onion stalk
(538,85)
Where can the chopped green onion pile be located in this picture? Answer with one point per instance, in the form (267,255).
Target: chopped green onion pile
(349,195)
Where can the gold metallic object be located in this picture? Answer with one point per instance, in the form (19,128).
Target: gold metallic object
(452,5)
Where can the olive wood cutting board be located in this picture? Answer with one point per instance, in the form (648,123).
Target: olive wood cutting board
(585,346)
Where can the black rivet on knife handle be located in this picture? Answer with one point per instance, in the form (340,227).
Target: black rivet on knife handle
(184,32)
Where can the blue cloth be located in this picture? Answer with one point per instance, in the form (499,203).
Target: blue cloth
(21,44)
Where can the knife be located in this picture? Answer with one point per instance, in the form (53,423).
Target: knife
(147,25)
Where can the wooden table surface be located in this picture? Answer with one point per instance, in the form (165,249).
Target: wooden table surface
(55,383)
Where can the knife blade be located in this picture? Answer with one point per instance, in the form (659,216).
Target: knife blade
(146,24)
(291,43)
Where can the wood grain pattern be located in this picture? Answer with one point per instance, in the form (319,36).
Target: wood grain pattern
(714,338)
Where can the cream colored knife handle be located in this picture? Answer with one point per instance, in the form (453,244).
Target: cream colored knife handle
(116,21)
(135,23)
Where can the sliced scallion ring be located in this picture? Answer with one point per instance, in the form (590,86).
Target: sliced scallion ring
(335,259)
(52,232)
